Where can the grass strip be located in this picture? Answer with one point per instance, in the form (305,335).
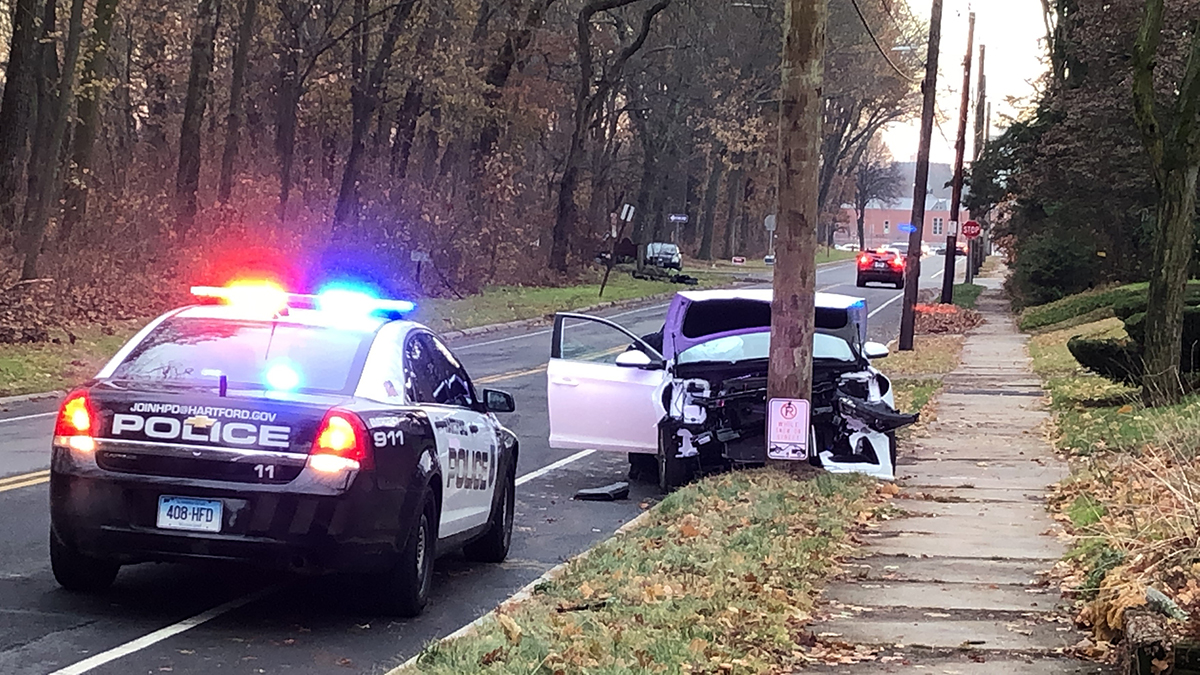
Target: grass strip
(721,579)
(930,355)
(966,295)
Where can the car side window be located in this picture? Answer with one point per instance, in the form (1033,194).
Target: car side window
(434,375)
(420,373)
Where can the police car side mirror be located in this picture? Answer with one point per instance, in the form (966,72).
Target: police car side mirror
(875,350)
(498,401)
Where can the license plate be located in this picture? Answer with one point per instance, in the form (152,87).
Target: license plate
(186,513)
(880,265)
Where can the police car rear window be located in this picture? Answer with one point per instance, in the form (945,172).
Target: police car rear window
(256,355)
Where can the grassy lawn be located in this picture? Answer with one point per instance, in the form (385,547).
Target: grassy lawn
(966,295)
(825,255)
(721,579)
(931,355)
(30,368)
(913,395)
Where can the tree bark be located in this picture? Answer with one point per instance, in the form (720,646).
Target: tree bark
(233,121)
(94,69)
(286,103)
(187,178)
(15,109)
(734,191)
(792,309)
(406,129)
(711,194)
(1174,154)
(365,97)
(38,217)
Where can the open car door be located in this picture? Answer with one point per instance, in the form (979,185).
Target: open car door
(602,394)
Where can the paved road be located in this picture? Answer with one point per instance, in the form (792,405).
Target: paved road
(179,619)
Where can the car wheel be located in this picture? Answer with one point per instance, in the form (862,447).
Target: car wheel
(405,588)
(77,572)
(493,546)
(672,469)
(900,284)
(643,467)
(861,283)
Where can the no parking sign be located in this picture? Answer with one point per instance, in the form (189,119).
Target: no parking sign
(788,429)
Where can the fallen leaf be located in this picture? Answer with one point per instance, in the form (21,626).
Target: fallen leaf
(512,631)
(586,590)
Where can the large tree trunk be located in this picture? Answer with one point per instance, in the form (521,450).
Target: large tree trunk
(365,97)
(406,129)
(158,86)
(712,194)
(187,178)
(38,216)
(286,103)
(233,121)
(734,192)
(15,109)
(1162,384)
(95,67)
(1174,152)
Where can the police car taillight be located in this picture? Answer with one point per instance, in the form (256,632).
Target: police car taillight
(76,423)
(340,444)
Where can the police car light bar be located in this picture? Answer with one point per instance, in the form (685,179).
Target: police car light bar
(269,297)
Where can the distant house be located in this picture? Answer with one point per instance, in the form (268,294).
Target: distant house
(883,220)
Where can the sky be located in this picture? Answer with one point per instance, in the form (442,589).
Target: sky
(1014,33)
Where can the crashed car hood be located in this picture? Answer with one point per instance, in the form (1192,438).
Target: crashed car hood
(695,317)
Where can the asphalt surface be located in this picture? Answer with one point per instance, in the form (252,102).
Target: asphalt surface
(183,619)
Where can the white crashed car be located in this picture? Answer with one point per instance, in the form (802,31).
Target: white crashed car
(693,396)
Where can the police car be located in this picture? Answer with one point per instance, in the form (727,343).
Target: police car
(313,433)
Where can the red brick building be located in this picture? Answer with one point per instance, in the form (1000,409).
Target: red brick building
(882,221)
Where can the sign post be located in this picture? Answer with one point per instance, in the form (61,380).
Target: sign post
(626,216)
(677,219)
(769,224)
(971,229)
(788,429)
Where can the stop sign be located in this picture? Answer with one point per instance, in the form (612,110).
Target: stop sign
(971,229)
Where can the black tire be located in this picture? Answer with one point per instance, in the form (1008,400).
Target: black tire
(643,467)
(900,284)
(673,471)
(405,588)
(493,545)
(861,283)
(77,572)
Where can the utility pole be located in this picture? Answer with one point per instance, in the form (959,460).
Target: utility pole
(980,103)
(795,282)
(912,270)
(960,149)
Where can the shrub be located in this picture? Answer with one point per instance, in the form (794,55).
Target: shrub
(1117,360)
(1050,267)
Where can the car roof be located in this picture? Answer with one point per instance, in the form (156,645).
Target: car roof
(296,317)
(827,300)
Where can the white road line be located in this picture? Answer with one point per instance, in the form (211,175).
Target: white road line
(26,417)
(880,308)
(161,634)
(551,467)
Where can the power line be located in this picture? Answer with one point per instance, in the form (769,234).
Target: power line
(879,47)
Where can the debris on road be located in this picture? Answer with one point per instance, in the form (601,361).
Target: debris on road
(609,493)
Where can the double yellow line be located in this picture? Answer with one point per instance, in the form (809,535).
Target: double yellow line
(24,480)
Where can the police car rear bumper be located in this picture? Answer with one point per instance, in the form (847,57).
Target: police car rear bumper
(113,517)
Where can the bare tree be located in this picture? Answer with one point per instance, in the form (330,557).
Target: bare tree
(187,178)
(15,109)
(875,179)
(233,121)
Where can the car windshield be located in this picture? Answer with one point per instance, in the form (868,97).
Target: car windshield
(661,249)
(751,346)
(254,355)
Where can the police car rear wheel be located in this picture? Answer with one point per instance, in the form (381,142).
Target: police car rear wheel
(407,584)
(77,572)
(493,546)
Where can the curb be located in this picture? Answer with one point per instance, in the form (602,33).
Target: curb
(39,396)
(520,596)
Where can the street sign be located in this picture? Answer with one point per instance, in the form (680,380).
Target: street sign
(678,218)
(953,229)
(627,212)
(769,223)
(739,260)
(971,229)
(906,227)
(788,429)
(418,256)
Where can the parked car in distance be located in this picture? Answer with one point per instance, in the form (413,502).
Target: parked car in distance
(662,254)
(846,247)
(884,264)
(770,259)
(899,246)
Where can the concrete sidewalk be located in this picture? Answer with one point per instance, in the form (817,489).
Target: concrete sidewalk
(953,585)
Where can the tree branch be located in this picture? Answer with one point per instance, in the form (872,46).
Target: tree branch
(1145,51)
